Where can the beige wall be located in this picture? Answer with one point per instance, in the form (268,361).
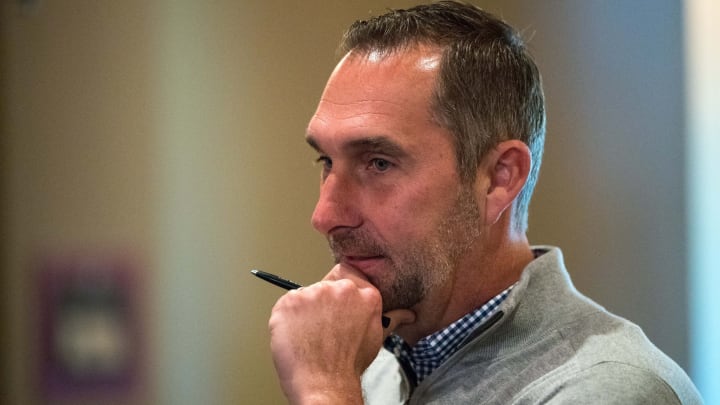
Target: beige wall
(173,131)
(78,143)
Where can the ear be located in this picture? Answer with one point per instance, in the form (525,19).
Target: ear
(507,168)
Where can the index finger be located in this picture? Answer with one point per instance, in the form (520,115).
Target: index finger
(341,271)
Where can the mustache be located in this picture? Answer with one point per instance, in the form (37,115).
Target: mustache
(355,243)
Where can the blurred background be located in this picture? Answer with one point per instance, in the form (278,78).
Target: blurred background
(152,153)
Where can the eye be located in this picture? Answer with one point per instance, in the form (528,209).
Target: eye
(325,161)
(380,164)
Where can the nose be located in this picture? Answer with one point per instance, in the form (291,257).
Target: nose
(337,205)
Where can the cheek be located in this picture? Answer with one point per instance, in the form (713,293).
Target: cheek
(414,214)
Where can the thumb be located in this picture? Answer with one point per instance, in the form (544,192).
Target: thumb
(398,317)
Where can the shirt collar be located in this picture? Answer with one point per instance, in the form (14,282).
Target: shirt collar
(431,351)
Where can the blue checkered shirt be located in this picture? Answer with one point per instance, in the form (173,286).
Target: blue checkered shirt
(433,350)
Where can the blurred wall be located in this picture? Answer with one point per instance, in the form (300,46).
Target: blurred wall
(173,132)
(612,189)
(78,134)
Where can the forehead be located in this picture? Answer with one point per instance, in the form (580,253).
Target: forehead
(401,76)
(376,94)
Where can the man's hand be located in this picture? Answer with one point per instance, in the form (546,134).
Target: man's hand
(397,317)
(325,335)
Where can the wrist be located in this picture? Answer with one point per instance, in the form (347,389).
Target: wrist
(331,398)
(335,392)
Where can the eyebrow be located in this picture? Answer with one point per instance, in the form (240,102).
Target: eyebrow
(380,144)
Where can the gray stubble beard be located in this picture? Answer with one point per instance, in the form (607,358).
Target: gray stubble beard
(426,264)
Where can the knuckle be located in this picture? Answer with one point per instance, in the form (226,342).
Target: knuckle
(372,296)
(345,284)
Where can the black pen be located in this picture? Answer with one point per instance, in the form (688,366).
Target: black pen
(291,285)
(278,281)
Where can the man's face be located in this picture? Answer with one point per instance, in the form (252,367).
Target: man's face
(391,203)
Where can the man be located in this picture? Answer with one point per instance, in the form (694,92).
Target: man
(430,134)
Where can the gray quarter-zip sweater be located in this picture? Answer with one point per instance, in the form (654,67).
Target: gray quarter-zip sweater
(548,344)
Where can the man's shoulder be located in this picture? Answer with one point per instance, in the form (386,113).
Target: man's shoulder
(620,357)
(600,351)
(608,382)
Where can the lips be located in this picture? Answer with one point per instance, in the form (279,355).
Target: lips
(358,249)
(366,264)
